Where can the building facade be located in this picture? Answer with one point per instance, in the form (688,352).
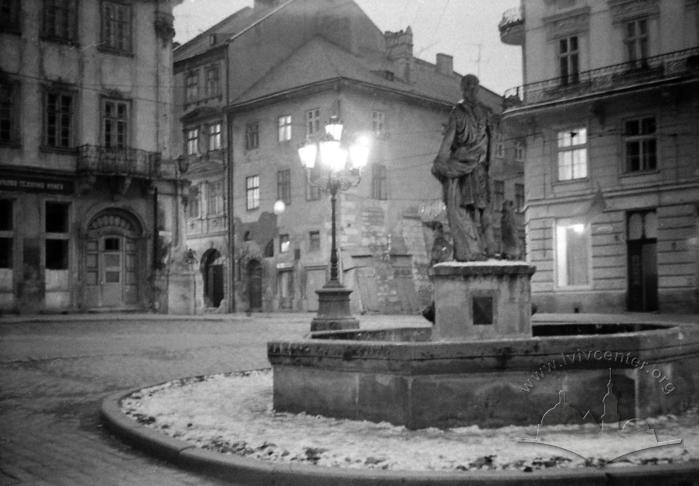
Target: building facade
(286,69)
(610,113)
(87,191)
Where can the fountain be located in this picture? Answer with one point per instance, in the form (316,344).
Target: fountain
(483,362)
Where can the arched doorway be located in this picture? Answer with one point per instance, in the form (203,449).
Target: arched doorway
(212,274)
(254,277)
(114,258)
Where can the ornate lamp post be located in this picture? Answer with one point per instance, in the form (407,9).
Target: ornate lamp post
(343,167)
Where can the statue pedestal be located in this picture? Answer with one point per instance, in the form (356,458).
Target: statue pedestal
(333,309)
(482,300)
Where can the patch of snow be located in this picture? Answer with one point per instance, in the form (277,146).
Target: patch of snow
(232,414)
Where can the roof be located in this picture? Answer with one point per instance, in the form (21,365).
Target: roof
(320,60)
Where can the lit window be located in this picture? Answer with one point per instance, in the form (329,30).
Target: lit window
(572,254)
(252,192)
(568,57)
(214,137)
(252,136)
(284,186)
(58,121)
(641,145)
(572,154)
(379,182)
(115,123)
(192,140)
(284,243)
(312,122)
(60,20)
(378,123)
(116,27)
(192,86)
(284,125)
(636,41)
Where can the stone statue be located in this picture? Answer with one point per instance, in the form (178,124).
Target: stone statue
(462,166)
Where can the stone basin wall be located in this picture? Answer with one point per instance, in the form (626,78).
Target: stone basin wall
(490,383)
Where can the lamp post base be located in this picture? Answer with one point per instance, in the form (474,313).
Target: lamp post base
(333,309)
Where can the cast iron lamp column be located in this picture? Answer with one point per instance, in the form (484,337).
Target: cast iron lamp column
(343,173)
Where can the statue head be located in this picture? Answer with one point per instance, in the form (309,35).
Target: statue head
(469,86)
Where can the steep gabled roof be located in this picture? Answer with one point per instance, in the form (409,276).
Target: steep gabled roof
(320,60)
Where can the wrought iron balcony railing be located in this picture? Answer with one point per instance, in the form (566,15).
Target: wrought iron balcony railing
(131,162)
(511,26)
(667,66)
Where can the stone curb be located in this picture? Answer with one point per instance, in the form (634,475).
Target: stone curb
(256,472)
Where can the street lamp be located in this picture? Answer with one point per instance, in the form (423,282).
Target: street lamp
(343,166)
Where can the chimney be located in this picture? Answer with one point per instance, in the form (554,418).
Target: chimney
(399,48)
(445,64)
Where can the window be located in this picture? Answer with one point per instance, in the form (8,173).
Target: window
(60,20)
(284,243)
(312,190)
(568,56)
(193,200)
(519,197)
(116,27)
(284,124)
(572,254)
(499,145)
(9,16)
(636,41)
(378,123)
(214,136)
(191,86)
(252,136)
(192,140)
(57,235)
(313,240)
(640,144)
(6,234)
(284,186)
(379,182)
(312,122)
(214,198)
(498,194)
(519,152)
(252,192)
(213,86)
(115,123)
(572,154)
(58,119)
(8,113)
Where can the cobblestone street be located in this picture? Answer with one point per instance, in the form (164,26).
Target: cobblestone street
(54,372)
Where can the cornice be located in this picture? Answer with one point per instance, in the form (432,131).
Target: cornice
(567,23)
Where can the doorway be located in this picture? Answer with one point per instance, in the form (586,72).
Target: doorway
(642,229)
(111,271)
(254,276)
(212,274)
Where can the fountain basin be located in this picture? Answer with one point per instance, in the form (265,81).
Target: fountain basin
(613,371)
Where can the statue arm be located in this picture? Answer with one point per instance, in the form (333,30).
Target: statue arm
(445,148)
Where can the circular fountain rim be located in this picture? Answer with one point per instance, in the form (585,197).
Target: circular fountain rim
(254,471)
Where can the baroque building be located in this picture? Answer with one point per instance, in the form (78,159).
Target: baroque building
(86,185)
(250,90)
(610,113)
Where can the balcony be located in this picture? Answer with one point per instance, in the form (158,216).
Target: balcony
(511,27)
(672,66)
(95,160)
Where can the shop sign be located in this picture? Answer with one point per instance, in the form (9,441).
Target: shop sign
(34,184)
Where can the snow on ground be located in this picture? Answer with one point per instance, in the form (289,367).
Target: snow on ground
(232,413)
